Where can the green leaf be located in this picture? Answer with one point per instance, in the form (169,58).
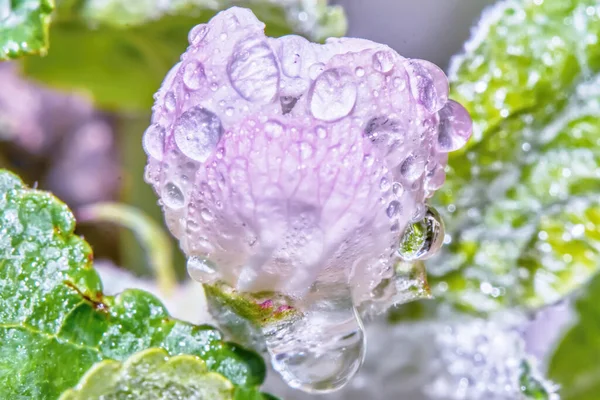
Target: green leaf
(521,202)
(574,364)
(119,51)
(24,27)
(151,374)
(55,322)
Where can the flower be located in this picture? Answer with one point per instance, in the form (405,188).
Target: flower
(289,164)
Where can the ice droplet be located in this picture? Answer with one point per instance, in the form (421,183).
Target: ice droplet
(455,127)
(253,71)
(333,95)
(172,196)
(197,133)
(321,350)
(153,141)
(423,238)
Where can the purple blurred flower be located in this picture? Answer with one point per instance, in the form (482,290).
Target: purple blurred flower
(57,139)
(287,163)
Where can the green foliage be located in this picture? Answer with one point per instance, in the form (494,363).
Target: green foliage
(151,374)
(574,364)
(24,27)
(55,322)
(521,202)
(119,51)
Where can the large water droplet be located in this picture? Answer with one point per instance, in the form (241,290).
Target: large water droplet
(170,101)
(321,350)
(428,83)
(172,196)
(197,133)
(193,75)
(455,127)
(153,141)
(412,167)
(383,61)
(253,71)
(423,238)
(333,95)
(197,34)
(291,54)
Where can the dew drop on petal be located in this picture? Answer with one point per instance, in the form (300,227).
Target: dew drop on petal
(393,209)
(428,83)
(172,196)
(253,70)
(197,34)
(193,75)
(455,127)
(197,133)
(273,129)
(412,167)
(323,349)
(170,101)
(422,239)
(383,61)
(153,141)
(333,95)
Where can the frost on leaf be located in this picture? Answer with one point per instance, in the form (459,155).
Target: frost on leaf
(521,204)
(294,168)
(55,320)
(151,374)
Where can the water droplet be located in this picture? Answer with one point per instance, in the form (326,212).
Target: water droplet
(287,103)
(197,34)
(397,189)
(399,83)
(382,130)
(253,71)
(323,349)
(423,238)
(193,75)
(206,215)
(172,196)
(383,61)
(273,129)
(428,83)
(412,167)
(321,132)
(200,268)
(384,184)
(333,95)
(229,111)
(393,208)
(292,49)
(197,133)
(455,127)
(153,141)
(359,71)
(170,101)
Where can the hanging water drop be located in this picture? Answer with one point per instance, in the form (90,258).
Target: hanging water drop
(321,350)
(423,238)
